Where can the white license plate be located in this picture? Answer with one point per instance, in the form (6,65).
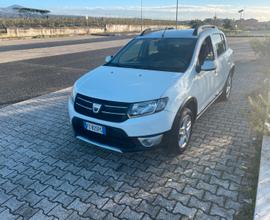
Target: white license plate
(94,128)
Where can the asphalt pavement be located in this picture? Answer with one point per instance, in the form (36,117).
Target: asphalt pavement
(21,80)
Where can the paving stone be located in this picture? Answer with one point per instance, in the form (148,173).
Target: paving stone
(64,199)
(228,193)
(6,215)
(68,188)
(49,192)
(53,181)
(193,191)
(224,183)
(8,186)
(60,212)
(163,202)
(71,178)
(19,192)
(220,200)
(164,214)
(177,196)
(206,186)
(46,205)
(13,203)
(202,216)
(184,210)
(32,198)
(38,187)
(230,204)
(76,216)
(110,216)
(40,216)
(199,204)
(94,213)
(78,206)
(130,214)
(85,184)
(226,213)
(26,211)
(97,188)
(151,210)
(113,207)
(97,200)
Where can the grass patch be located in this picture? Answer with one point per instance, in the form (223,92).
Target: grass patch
(258,115)
(247,210)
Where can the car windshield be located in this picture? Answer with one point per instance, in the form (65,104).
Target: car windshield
(164,54)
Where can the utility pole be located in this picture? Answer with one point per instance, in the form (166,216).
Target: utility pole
(141,17)
(176,16)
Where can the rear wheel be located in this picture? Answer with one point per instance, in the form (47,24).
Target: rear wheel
(179,137)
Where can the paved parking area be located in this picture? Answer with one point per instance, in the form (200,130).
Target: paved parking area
(47,174)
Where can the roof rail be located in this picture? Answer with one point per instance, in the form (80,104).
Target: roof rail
(150,30)
(201,28)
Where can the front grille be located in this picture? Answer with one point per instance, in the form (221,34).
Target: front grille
(109,111)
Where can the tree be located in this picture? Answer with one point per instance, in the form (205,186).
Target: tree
(228,24)
(196,23)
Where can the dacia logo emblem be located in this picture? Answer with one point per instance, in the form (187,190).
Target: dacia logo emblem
(96,107)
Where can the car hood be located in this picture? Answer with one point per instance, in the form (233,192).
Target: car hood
(125,84)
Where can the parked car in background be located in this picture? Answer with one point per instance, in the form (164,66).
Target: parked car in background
(153,90)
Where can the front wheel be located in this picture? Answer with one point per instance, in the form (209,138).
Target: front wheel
(179,137)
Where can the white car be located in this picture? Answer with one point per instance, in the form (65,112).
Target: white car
(152,90)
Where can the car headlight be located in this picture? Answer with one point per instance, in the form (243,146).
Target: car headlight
(147,108)
(73,95)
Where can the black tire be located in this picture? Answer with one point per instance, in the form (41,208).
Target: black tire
(172,139)
(227,89)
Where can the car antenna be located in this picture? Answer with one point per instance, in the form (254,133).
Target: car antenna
(167,28)
(164,32)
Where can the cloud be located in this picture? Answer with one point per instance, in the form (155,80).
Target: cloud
(186,12)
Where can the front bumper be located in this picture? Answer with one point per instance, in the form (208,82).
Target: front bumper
(123,136)
(115,138)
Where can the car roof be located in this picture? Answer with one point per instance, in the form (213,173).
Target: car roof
(174,33)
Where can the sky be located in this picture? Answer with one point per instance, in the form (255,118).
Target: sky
(155,9)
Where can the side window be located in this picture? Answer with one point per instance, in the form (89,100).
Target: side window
(220,43)
(223,42)
(206,52)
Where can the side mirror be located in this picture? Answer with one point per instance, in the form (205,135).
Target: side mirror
(209,65)
(108,59)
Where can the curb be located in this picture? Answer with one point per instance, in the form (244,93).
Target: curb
(262,205)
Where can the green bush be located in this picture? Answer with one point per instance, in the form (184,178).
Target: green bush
(260,115)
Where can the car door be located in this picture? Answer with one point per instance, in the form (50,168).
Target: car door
(204,81)
(220,48)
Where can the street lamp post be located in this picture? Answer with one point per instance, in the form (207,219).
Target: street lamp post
(176,16)
(141,17)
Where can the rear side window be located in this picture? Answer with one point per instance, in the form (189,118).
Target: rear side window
(220,43)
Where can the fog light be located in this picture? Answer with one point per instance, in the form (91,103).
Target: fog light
(151,141)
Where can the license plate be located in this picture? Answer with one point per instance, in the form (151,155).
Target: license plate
(94,128)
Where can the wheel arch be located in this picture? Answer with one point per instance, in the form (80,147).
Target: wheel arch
(192,104)
(232,70)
